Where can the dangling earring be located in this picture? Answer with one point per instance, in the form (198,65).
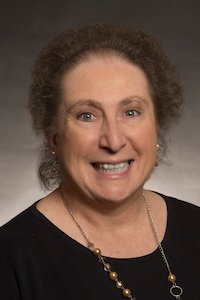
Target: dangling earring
(54,163)
(156,162)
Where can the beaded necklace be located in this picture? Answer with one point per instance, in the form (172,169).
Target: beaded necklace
(175,290)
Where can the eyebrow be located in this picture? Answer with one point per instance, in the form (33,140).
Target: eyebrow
(97,104)
(88,102)
(129,100)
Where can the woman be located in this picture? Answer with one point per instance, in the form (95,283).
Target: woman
(103,98)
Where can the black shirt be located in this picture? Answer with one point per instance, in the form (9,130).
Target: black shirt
(40,262)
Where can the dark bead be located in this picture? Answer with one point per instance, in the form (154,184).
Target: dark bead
(107,267)
(119,284)
(91,246)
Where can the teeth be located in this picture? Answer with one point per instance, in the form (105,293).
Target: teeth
(112,168)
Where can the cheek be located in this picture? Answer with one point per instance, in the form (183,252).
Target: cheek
(150,140)
(77,142)
(144,137)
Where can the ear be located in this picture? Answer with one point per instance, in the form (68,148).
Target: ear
(157,129)
(52,141)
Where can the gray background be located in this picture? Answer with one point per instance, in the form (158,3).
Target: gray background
(26,26)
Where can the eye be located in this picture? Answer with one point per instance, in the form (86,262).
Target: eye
(130,113)
(87,116)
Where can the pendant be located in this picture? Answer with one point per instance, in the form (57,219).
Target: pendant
(176,291)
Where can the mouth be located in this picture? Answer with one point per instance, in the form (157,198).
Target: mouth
(107,168)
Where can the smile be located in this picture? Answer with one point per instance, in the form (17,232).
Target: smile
(112,168)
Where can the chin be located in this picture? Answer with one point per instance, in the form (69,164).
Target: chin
(112,196)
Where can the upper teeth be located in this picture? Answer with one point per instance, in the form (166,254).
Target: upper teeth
(111,166)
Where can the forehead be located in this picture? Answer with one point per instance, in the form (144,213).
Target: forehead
(104,78)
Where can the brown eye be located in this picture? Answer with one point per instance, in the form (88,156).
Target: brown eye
(130,113)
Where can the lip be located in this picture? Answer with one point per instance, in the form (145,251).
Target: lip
(113,176)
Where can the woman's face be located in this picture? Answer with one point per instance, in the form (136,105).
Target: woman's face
(107,137)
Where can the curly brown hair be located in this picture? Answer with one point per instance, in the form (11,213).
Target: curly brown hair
(67,50)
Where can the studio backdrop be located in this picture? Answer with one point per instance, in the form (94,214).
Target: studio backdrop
(26,26)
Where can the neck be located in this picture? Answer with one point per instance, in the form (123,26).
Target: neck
(106,216)
(111,227)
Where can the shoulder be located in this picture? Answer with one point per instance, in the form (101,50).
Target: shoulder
(18,220)
(183,217)
(18,230)
(180,206)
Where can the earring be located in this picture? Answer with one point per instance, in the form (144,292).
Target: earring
(156,162)
(54,163)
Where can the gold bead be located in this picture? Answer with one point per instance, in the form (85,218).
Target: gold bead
(113,275)
(126,293)
(97,252)
(171,278)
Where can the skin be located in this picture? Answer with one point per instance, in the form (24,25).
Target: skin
(107,116)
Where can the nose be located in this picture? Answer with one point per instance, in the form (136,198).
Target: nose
(112,137)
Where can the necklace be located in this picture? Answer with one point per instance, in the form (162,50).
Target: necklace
(175,290)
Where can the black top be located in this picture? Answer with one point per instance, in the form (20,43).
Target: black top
(40,262)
